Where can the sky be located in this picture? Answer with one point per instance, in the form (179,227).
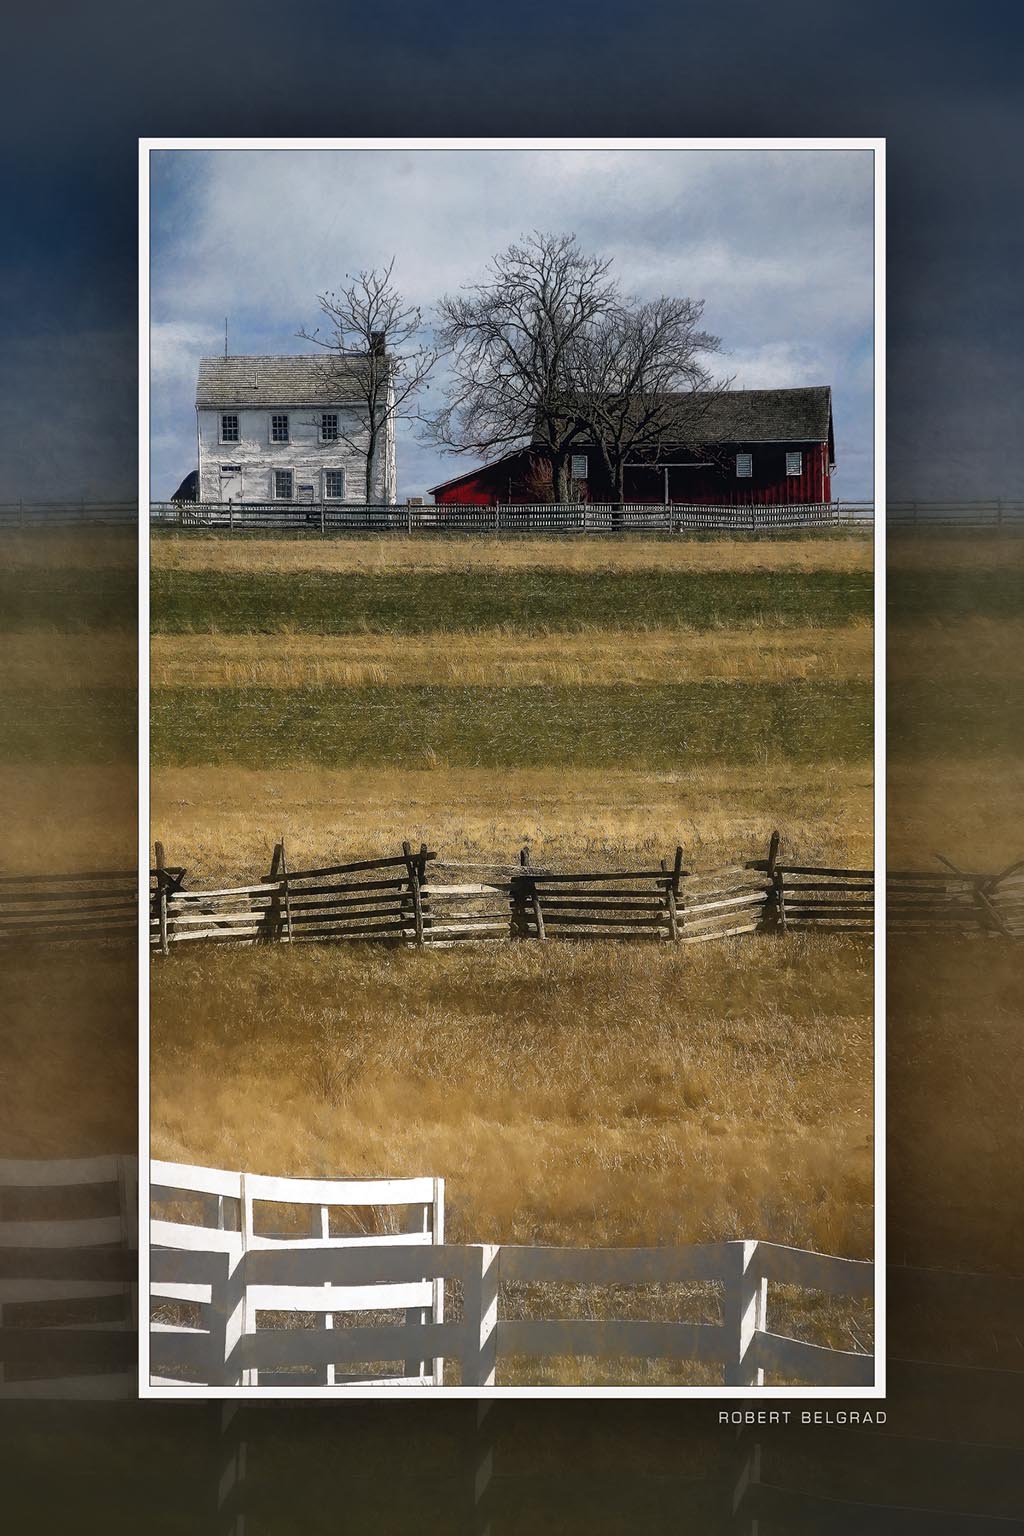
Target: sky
(940,81)
(254,236)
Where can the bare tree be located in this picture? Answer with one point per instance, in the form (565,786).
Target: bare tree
(639,383)
(373,339)
(512,338)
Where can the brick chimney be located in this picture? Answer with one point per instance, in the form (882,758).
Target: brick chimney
(378,343)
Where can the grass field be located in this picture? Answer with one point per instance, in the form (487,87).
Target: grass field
(594,1095)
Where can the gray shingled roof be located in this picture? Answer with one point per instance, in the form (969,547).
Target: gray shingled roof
(271,380)
(766,415)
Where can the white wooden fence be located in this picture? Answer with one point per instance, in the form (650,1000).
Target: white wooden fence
(68,1281)
(288,1307)
(208,1265)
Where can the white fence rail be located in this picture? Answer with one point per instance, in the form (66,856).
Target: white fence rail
(208,1225)
(289,1307)
(68,1278)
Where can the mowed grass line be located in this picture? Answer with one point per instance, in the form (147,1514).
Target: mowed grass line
(488,658)
(69,598)
(446,552)
(658,727)
(532,601)
(222,821)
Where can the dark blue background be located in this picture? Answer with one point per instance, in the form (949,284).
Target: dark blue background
(940,81)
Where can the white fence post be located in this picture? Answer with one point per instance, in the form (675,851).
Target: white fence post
(744,1307)
(480,1300)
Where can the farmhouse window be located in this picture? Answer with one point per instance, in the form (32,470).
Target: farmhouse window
(283,481)
(334,484)
(579,466)
(279,429)
(329,428)
(794,463)
(744,465)
(229,429)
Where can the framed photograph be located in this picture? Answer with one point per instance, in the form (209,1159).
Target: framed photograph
(512,757)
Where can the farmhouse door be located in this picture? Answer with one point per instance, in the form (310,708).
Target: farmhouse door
(231,482)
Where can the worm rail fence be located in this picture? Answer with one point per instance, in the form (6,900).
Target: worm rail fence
(416,899)
(280,1276)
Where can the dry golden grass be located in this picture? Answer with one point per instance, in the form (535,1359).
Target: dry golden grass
(495,660)
(66,818)
(971,812)
(430,553)
(594,1095)
(955,1090)
(69,1047)
(970,550)
(86,548)
(48,658)
(955,653)
(225,820)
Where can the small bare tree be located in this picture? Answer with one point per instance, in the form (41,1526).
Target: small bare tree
(511,338)
(639,383)
(373,339)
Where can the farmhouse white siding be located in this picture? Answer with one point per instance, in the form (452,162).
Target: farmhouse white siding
(242,464)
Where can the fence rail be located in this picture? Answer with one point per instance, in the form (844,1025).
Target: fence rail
(544,517)
(250,1291)
(532,517)
(68,1278)
(416,898)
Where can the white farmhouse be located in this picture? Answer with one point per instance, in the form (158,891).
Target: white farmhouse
(287,429)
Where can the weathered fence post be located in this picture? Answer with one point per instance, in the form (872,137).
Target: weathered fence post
(531,893)
(272,925)
(672,893)
(775,896)
(421,875)
(480,1303)
(412,868)
(161,898)
(285,892)
(744,1308)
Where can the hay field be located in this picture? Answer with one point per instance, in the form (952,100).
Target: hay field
(576,695)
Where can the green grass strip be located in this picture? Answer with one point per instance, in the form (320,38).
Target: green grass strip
(656,727)
(68,598)
(333,603)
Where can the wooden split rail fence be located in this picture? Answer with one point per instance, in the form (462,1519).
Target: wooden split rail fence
(285,1289)
(416,898)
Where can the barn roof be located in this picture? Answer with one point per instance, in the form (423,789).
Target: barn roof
(765,415)
(736,416)
(273,380)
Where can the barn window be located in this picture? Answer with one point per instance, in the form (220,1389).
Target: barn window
(744,465)
(329,428)
(229,429)
(283,484)
(579,466)
(279,429)
(334,484)
(794,463)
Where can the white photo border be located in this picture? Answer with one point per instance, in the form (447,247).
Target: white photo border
(146,1389)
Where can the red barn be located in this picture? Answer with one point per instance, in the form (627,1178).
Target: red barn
(760,446)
